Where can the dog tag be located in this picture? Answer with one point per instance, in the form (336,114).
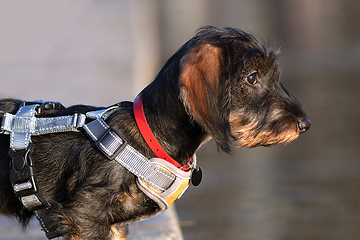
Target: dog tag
(196,176)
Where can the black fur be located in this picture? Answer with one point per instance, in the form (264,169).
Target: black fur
(89,193)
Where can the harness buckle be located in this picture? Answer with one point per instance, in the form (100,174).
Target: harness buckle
(21,173)
(23,181)
(44,105)
(50,106)
(111,144)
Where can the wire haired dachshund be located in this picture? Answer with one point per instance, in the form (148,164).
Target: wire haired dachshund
(223,84)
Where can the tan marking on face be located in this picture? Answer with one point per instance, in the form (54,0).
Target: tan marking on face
(244,134)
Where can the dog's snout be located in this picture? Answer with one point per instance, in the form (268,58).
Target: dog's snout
(304,125)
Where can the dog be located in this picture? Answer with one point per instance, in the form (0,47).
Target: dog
(223,84)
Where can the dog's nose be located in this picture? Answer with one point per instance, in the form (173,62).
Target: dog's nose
(304,124)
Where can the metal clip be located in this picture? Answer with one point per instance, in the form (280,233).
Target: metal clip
(44,105)
(50,106)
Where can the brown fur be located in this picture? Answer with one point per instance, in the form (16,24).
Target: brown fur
(222,84)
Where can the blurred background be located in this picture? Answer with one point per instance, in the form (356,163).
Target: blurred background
(102,52)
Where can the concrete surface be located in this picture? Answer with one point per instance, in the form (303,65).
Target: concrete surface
(163,227)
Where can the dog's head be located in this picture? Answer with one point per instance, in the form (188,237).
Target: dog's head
(229,84)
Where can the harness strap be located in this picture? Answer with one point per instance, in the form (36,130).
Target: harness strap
(49,225)
(21,126)
(24,119)
(22,174)
(115,147)
(158,179)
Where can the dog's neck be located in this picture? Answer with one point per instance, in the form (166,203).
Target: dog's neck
(176,132)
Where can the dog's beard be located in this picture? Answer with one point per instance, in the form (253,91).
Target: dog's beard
(251,133)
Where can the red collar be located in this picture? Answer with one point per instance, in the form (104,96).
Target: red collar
(149,137)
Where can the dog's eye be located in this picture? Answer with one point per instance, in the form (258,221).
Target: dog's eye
(252,78)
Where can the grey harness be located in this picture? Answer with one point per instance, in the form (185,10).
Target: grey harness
(25,123)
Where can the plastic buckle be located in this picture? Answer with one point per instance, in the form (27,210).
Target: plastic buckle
(103,138)
(22,173)
(23,181)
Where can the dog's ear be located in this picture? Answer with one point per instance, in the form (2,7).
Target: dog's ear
(203,94)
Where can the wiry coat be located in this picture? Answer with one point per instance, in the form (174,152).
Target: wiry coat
(221,84)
